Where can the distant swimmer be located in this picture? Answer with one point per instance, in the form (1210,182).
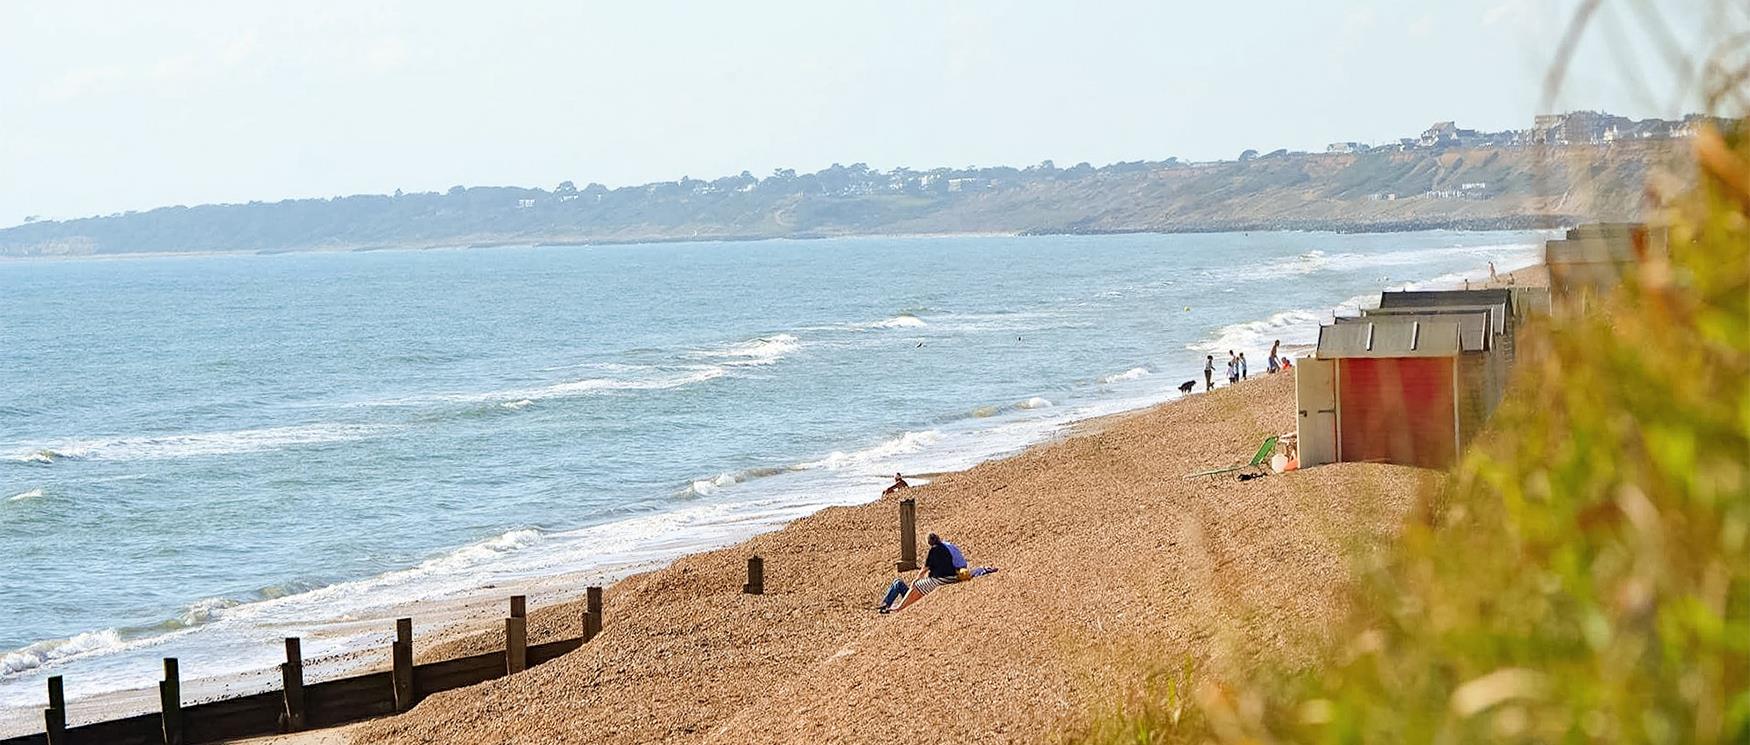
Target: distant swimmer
(898,483)
(919,346)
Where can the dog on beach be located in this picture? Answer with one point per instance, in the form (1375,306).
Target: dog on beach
(1186,386)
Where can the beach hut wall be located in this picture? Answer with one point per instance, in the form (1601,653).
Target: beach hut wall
(1395,389)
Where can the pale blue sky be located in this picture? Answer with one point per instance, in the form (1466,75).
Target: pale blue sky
(114,106)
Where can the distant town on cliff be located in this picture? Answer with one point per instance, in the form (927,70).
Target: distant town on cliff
(1447,177)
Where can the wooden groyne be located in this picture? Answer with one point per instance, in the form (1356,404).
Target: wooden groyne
(296,706)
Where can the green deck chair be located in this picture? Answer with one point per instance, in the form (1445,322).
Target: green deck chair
(1257,461)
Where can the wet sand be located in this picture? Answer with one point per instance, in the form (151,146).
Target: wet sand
(1113,566)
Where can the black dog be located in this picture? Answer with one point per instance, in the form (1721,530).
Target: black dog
(1187,386)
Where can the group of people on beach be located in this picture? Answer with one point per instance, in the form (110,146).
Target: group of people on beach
(1236,366)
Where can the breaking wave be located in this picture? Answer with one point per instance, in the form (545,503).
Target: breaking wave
(707,487)
(33,656)
(1035,402)
(901,321)
(21,496)
(910,442)
(1135,373)
(765,350)
(196,444)
(1291,327)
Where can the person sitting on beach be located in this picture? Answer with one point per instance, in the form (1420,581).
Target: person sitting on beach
(1287,364)
(898,483)
(960,570)
(939,569)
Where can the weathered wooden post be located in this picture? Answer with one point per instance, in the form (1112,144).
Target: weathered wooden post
(402,652)
(592,615)
(908,536)
(55,717)
(756,576)
(292,678)
(516,637)
(170,702)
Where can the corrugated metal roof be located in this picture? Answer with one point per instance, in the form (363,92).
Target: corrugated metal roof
(1367,337)
(1443,298)
(1497,313)
(1473,327)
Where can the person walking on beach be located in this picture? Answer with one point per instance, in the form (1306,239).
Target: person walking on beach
(939,569)
(1209,373)
(898,483)
(1242,365)
(1233,368)
(1272,365)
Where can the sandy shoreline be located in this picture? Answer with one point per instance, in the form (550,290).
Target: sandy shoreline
(1102,542)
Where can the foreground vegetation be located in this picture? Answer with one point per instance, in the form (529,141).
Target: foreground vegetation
(1585,574)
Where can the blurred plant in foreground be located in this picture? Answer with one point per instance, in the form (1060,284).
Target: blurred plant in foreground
(1585,574)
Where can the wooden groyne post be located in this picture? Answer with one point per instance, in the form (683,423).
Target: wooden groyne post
(592,614)
(55,717)
(908,536)
(301,706)
(402,652)
(516,636)
(292,680)
(170,702)
(756,576)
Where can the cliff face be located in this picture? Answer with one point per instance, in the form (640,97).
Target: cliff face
(1476,188)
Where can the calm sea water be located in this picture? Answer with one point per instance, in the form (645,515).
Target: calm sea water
(199,455)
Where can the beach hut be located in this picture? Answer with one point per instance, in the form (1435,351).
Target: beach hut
(1503,304)
(1481,367)
(1486,355)
(1592,259)
(1383,390)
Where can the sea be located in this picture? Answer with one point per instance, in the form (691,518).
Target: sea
(202,454)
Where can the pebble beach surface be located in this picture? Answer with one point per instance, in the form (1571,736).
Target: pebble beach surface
(1113,566)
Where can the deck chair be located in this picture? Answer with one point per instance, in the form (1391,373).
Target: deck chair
(1257,461)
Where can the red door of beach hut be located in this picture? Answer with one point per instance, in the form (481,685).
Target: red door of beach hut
(1396,410)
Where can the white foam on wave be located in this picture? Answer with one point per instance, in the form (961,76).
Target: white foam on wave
(206,610)
(196,444)
(1036,402)
(765,350)
(519,398)
(51,651)
(910,442)
(1318,261)
(1291,327)
(902,321)
(21,496)
(1135,373)
(707,487)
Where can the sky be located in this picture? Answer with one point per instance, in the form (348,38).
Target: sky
(113,106)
